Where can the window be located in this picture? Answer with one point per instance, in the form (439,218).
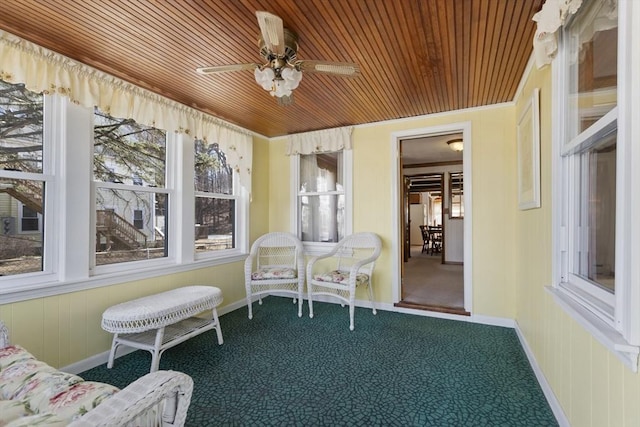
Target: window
(592,262)
(321,198)
(215,200)
(88,199)
(131,220)
(30,219)
(322,213)
(24,175)
(138,222)
(456,195)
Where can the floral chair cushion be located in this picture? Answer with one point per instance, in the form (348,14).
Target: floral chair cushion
(12,354)
(34,393)
(45,420)
(79,399)
(12,410)
(342,277)
(270,273)
(20,378)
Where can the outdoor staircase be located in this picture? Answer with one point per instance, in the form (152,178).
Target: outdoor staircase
(118,232)
(28,195)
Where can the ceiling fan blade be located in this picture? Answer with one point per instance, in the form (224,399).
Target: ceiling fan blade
(226,68)
(346,69)
(272,30)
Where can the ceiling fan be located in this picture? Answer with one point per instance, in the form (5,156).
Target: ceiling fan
(282,71)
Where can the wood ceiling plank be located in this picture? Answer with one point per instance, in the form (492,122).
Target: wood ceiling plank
(416,57)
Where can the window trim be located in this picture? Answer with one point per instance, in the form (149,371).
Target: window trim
(69,218)
(621,334)
(319,248)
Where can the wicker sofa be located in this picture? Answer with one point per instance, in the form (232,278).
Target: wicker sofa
(34,393)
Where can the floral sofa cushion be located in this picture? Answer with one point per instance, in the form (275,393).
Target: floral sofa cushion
(34,393)
(342,277)
(269,273)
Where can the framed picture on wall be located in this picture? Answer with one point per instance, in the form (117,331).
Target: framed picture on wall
(528,133)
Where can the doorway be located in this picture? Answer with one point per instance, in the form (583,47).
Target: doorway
(433,238)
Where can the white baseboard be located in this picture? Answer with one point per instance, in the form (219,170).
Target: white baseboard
(562,419)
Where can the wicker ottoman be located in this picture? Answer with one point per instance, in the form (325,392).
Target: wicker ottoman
(158,322)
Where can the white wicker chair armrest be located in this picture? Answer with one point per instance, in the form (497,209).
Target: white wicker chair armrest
(168,392)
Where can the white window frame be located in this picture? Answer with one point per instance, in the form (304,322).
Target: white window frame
(319,248)
(96,270)
(185,181)
(69,212)
(614,320)
(51,141)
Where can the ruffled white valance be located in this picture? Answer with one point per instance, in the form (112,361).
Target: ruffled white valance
(551,17)
(320,141)
(42,70)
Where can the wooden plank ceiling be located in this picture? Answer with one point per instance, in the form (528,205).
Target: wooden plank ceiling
(416,56)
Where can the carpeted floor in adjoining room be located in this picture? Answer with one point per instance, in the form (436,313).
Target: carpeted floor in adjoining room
(393,370)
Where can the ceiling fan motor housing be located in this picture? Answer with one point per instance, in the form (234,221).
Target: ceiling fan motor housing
(290,48)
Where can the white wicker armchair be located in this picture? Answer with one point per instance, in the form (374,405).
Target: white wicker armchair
(159,399)
(338,273)
(275,265)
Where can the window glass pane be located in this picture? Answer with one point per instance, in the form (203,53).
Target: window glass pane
(322,218)
(597,218)
(118,238)
(215,224)
(21,136)
(212,174)
(30,220)
(593,46)
(321,172)
(127,152)
(21,238)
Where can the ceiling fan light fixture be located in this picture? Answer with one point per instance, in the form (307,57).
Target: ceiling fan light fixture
(456,144)
(264,77)
(292,77)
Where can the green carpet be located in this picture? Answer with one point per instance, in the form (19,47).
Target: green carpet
(393,370)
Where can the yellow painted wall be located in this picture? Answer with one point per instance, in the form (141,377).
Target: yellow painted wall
(65,329)
(593,387)
(493,139)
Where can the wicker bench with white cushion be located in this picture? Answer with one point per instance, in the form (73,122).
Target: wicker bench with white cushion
(158,322)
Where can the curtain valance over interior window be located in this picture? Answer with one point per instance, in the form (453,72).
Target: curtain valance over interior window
(41,70)
(551,17)
(320,141)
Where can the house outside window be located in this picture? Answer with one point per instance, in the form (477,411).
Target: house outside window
(29,220)
(125,154)
(592,263)
(138,222)
(216,200)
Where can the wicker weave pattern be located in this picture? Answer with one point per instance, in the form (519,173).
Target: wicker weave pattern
(161,394)
(157,311)
(275,252)
(355,257)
